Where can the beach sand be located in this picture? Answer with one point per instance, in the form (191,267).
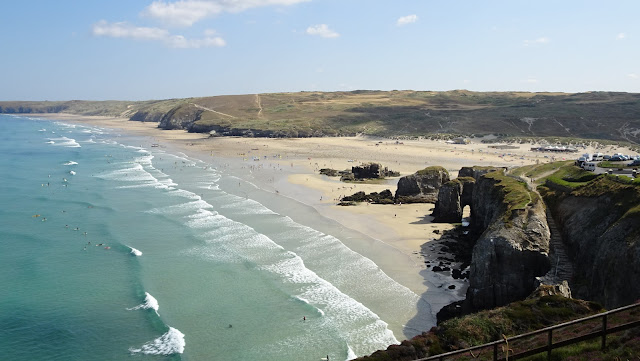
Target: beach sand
(289,167)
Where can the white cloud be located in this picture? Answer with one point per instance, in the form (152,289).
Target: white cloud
(129,31)
(621,36)
(407,20)
(179,41)
(188,12)
(538,41)
(322,30)
(125,30)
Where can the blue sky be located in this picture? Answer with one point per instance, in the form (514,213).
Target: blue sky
(146,49)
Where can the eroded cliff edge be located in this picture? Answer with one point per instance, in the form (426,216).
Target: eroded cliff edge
(600,224)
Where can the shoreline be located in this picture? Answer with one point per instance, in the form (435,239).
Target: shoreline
(403,235)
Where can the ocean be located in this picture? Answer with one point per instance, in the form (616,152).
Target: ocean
(113,249)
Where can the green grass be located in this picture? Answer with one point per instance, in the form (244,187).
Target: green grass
(615,165)
(565,174)
(432,170)
(515,194)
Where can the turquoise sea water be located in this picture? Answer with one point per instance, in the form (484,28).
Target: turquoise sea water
(113,250)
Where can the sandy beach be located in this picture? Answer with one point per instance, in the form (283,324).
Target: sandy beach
(289,167)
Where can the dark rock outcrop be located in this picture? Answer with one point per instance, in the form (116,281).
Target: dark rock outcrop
(367,171)
(422,186)
(452,198)
(372,171)
(448,208)
(384,197)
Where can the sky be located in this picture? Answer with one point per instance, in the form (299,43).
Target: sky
(146,49)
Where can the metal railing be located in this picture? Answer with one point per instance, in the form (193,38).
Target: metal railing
(532,343)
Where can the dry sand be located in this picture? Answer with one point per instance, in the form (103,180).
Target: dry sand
(407,228)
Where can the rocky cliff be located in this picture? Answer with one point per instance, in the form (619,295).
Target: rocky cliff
(422,186)
(600,224)
(512,246)
(452,198)
(457,194)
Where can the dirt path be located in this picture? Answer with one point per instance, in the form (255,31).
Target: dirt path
(211,110)
(259,105)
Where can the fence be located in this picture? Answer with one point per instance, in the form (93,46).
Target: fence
(540,341)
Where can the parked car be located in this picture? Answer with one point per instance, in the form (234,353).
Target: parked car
(635,163)
(616,158)
(606,157)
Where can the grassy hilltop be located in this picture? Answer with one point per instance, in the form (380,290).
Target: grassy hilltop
(594,115)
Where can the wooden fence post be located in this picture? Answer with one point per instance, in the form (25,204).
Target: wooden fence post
(550,344)
(604,331)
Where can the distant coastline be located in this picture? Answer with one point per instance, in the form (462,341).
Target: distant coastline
(569,118)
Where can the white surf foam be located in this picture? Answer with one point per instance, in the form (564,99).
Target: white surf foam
(72,172)
(66,125)
(149,303)
(171,342)
(135,252)
(188,207)
(350,354)
(71,163)
(347,315)
(64,142)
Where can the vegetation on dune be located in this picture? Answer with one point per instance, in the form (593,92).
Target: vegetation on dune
(601,115)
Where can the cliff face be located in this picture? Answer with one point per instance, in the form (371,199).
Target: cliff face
(513,248)
(422,186)
(601,227)
(448,208)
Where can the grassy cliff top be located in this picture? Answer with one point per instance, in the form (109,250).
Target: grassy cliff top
(515,194)
(436,169)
